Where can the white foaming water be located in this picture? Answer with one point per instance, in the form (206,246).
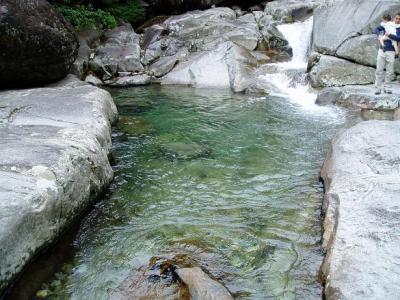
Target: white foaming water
(299,37)
(288,77)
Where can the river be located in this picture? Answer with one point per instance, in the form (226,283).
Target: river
(230,179)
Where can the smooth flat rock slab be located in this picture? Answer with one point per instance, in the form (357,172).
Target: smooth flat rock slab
(362,213)
(54,146)
(360,96)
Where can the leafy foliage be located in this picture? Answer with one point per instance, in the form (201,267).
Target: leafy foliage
(92,14)
(131,11)
(86,17)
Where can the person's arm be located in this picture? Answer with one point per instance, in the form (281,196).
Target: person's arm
(394,37)
(379,30)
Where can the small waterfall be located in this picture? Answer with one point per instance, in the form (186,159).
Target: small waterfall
(289,78)
(299,37)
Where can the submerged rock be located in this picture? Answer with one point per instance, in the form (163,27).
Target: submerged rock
(172,277)
(134,125)
(362,212)
(201,286)
(184,151)
(54,146)
(327,71)
(158,280)
(37,44)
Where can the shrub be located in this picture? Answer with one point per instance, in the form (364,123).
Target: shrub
(130,11)
(84,14)
(86,17)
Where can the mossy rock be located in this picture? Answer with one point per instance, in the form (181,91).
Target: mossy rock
(134,125)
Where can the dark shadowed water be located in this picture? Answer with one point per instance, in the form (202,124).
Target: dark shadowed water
(228,178)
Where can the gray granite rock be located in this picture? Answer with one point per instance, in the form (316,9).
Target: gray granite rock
(226,66)
(361,97)
(129,80)
(361,213)
(293,10)
(329,71)
(355,17)
(203,30)
(37,45)
(163,65)
(119,53)
(93,80)
(363,49)
(54,146)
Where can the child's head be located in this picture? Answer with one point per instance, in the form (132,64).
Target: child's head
(386,18)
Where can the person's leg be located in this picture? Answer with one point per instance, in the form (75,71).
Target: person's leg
(395,46)
(390,58)
(379,74)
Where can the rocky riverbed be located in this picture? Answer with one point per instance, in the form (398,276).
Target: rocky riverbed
(55,139)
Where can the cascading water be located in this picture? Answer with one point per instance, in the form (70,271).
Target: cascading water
(228,181)
(289,77)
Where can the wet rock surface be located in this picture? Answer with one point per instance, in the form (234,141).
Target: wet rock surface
(361,207)
(54,147)
(37,45)
(171,277)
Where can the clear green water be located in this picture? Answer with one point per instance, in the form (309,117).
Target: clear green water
(249,207)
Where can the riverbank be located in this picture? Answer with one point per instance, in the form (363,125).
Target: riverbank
(56,139)
(55,144)
(361,206)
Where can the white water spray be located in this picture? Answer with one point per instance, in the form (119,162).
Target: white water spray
(288,75)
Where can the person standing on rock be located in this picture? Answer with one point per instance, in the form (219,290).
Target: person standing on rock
(386,58)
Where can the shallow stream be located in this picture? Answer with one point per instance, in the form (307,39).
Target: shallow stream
(229,179)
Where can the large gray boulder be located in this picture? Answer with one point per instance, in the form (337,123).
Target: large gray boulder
(345,20)
(119,53)
(54,146)
(37,45)
(88,40)
(203,30)
(362,49)
(362,212)
(228,66)
(326,71)
(293,10)
(360,96)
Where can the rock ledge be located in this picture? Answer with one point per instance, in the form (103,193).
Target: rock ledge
(362,213)
(54,146)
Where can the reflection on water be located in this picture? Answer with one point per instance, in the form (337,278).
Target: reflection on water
(230,179)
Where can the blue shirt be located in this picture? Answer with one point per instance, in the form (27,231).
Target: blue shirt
(388,45)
